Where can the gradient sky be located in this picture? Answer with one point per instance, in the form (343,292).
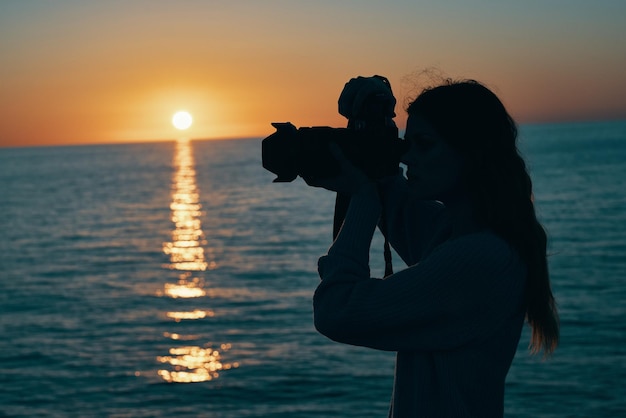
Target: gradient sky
(82,71)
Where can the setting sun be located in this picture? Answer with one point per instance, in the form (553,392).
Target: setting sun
(182,120)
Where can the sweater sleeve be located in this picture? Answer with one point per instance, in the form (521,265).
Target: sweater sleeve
(463,290)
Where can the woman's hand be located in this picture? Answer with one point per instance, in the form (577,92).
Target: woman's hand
(351,179)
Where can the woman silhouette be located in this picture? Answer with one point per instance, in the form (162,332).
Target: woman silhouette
(463,221)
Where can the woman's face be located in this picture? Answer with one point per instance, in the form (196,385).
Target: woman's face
(433,167)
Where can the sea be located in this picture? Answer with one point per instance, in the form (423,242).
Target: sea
(175,279)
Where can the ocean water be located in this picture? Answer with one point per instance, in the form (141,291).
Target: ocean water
(174,279)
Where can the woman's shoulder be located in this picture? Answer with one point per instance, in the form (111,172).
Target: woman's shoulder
(482,258)
(483,247)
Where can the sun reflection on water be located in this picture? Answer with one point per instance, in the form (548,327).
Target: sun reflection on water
(187,256)
(194,364)
(196,314)
(186,287)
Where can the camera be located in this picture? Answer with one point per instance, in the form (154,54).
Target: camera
(370,140)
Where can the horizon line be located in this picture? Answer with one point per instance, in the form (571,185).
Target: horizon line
(257,137)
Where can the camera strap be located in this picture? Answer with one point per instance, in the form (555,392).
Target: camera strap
(386,247)
(342,201)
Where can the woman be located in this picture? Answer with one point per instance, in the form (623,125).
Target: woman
(463,220)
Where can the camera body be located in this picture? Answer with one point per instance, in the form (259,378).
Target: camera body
(370,141)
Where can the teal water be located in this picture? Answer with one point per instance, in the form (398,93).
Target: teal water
(158,280)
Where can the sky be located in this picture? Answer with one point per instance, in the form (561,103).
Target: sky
(84,71)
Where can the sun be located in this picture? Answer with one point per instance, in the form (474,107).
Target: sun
(182,120)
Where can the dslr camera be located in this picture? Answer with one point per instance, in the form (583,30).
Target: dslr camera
(370,140)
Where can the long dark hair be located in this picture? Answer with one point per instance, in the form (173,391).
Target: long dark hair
(474,121)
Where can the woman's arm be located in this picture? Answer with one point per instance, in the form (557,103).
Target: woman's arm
(463,290)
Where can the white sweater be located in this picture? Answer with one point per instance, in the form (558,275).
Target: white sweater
(454,316)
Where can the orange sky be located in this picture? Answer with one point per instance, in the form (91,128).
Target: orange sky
(80,71)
